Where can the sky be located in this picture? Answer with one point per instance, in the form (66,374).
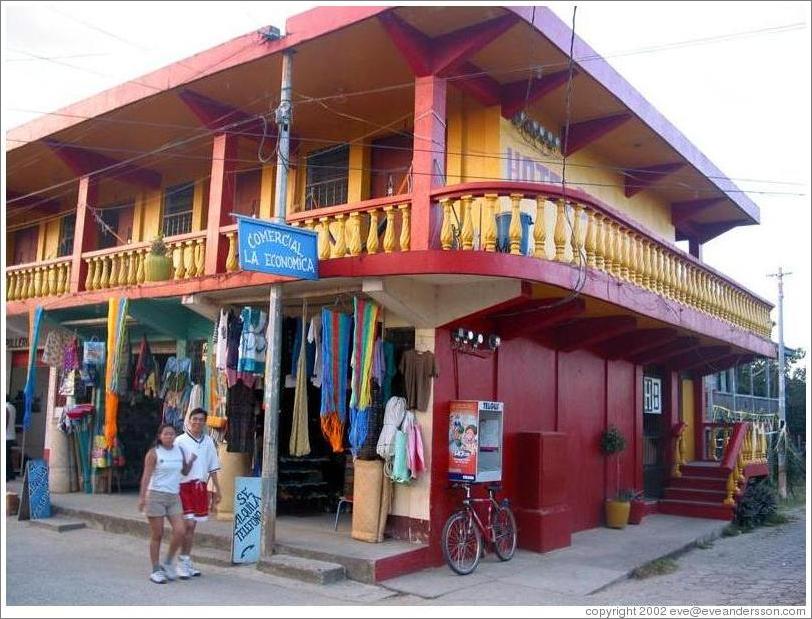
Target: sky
(734,78)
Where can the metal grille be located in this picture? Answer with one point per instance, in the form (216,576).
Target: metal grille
(326,193)
(178,223)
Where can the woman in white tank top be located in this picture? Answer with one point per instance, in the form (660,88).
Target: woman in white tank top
(160,498)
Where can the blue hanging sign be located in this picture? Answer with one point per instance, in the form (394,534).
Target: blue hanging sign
(277,249)
(247,519)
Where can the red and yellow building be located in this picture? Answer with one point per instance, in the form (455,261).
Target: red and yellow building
(423,138)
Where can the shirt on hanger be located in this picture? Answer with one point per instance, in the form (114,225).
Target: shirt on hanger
(418,368)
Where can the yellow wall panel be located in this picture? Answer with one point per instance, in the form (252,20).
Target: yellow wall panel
(152,214)
(688,417)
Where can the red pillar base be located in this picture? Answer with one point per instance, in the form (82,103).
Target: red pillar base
(542,530)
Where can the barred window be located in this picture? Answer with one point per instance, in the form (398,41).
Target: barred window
(178,201)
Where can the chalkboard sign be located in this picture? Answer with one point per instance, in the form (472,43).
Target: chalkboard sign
(35,502)
(247,520)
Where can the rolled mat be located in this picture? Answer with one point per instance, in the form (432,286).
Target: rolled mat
(366,501)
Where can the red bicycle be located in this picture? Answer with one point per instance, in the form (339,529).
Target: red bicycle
(464,530)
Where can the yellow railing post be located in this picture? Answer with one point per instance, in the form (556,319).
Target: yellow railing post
(467,233)
(389,235)
(489,222)
(372,234)
(405,227)
(515,230)
(446,232)
(560,231)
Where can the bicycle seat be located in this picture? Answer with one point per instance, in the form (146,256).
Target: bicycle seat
(495,486)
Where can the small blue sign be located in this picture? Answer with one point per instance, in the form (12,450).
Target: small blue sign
(39,496)
(277,249)
(247,519)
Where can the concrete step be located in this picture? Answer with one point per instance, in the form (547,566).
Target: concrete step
(698,483)
(212,556)
(299,568)
(695,494)
(58,525)
(696,509)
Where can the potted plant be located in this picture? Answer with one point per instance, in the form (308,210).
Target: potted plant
(637,508)
(157,265)
(617,509)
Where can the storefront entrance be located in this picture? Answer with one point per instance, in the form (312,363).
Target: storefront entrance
(654,437)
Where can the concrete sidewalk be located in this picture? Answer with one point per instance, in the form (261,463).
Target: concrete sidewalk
(596,559)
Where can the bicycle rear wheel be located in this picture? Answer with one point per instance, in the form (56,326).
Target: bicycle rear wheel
(504,533)
(462,543)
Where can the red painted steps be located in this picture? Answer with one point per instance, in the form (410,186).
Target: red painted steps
(699,493)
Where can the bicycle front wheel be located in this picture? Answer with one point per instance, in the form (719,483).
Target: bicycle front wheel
(462,543)
(504,533)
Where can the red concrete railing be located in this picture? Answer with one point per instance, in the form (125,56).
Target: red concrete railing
(572,227)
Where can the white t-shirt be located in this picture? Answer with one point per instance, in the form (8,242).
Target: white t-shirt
(11,411)
(207,461)
(167,473)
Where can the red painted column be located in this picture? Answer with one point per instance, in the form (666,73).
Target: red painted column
(673,416)
(428,159)
(221,199)
(84,238)
(638,427)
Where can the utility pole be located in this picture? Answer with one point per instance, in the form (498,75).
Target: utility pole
(273,350)
(782,396)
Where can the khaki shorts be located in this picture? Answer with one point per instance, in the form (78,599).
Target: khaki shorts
(162,504)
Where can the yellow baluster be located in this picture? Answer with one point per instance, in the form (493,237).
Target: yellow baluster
(389,234)
(590,243)
(309,224)
(577,240)
(37,282)
(22,285)
(97,273)
(372,235)
(609,246)
(617,251)
(140,275)
(340,246)
(446,232)
(113,270)
(9,282)
(489,221)
(53,280)
(46,284)
(123,267)
(731,487)
(31,284)
(188,259)
(354,234)
(405,227)
(667,289)
(105,272)
(66,281)
(637,260)
(600,241)
(232,264)
(132,268)
(560,231)
(200,257)
(467,232)
(324,238)
(515,230)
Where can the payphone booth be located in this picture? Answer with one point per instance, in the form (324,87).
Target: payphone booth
(475,441)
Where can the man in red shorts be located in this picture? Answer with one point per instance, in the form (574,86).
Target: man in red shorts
(194,495)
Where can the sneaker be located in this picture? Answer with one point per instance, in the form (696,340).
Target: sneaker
(186,561)
(169,571)
(181,571)
(158,577)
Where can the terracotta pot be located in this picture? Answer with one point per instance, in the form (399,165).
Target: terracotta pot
(637,510)
(617,514)
(157,268)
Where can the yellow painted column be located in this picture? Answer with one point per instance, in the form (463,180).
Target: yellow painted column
(152,214)
(689,448)
(41,241)
(266,191)
(138,218)
(358,182)
(198,206)
(231,465)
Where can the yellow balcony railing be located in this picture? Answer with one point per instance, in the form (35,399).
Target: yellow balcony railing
(41,279)
(574,228)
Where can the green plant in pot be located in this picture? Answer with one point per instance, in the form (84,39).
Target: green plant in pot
(617,509)
(158,265)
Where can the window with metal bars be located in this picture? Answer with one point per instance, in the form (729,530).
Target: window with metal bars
(327,177)
(67,230)
(178,201)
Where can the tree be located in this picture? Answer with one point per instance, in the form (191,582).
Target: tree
(796,392)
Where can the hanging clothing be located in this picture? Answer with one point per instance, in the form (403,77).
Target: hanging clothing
(366,320)
(252,341)
(195,398)
(233,336)
(240,413)
(314,338)
(393,417)
(418,368)
(144,367)
(299,444)
(390,369)
(56,343)
(175,390)
(221,340)
(415,459)
(335,362)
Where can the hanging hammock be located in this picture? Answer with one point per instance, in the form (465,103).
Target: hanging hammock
(31,376)
(366,318)
(335,356)
(299,439)
(116,325)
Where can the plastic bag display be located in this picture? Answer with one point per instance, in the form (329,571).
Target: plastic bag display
(94,352)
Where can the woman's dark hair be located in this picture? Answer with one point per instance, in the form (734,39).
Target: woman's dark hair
(198,411)
(161,428)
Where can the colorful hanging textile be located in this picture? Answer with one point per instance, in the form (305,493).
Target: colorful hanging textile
(299,438)
(35,319)
(335,357)
(366,318)
(144,367)
(116,339)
